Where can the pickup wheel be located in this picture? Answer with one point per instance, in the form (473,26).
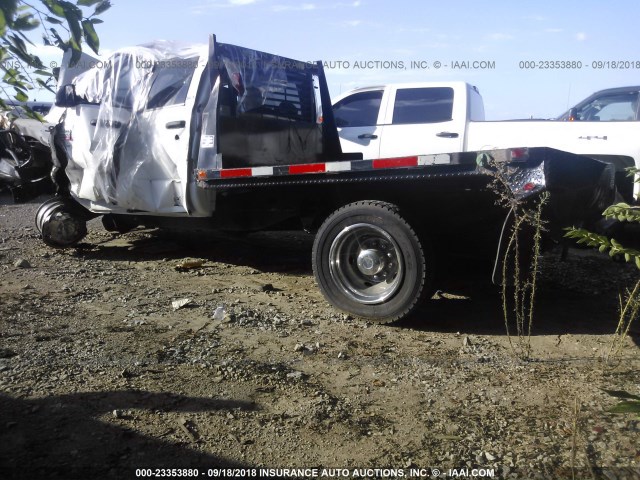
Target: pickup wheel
(368,261)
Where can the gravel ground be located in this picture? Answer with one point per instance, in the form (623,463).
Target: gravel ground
(149,350)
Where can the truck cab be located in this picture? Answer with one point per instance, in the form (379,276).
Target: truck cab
(406,119)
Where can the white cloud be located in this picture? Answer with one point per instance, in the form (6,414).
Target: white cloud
(280,7)
(313,6)
(436,46)
(294,8)
(215,4)
(500,36)
(581,36)
(358,23)
(413,30)
(402,52)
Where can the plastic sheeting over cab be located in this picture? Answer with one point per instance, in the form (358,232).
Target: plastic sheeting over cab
(139,124)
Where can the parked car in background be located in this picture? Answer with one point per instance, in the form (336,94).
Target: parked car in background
(610,105)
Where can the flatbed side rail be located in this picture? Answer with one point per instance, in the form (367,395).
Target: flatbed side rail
(409,167)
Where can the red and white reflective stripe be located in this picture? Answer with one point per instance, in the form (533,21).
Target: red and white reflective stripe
(261,171)
(269,171)
(236,172)
(326,167)
(338,166)
(395,162)
(307,168)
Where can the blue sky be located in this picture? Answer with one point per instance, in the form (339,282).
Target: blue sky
(350,32)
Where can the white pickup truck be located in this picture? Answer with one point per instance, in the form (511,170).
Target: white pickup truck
(225,138)
(443,117)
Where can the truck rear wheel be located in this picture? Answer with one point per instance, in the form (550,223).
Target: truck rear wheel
(368,261)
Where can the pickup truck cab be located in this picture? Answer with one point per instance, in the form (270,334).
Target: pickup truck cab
(407,118)
(432,118)
(610,105)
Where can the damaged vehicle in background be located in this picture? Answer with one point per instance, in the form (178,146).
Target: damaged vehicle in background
(25,151)
(25,166)
(17,108)
(221,137)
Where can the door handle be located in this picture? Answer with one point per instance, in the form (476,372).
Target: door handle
(447,135)
(592,137)
(106,123)
(367,135)
(176,124)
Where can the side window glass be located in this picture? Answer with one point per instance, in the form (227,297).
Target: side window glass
(423,105)
(118,81)
(610,108)
(171,83)
(358,110)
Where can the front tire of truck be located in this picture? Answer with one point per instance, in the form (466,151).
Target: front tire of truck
(368,261)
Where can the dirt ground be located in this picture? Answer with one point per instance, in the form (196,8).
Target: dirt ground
(101,375)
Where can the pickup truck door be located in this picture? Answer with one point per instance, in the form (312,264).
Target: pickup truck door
(91,131)
(423,120)
(130,153)
(358,118)
(607,125)
(162,133)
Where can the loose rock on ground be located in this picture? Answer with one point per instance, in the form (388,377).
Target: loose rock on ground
(126,353)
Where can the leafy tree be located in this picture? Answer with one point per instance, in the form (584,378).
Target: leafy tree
(23,71)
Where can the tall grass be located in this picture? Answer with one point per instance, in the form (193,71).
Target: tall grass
(519,291)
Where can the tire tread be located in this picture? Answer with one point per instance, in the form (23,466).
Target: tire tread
(394,210)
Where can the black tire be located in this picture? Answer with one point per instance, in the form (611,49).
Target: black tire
(368,261)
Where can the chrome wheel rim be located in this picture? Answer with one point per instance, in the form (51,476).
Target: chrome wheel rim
(366,263)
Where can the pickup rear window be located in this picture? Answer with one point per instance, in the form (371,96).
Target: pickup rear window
(170,84)
(423,105)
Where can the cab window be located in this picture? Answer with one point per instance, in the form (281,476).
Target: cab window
(423,105)
(171,82)
(358,110)
(611,108)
